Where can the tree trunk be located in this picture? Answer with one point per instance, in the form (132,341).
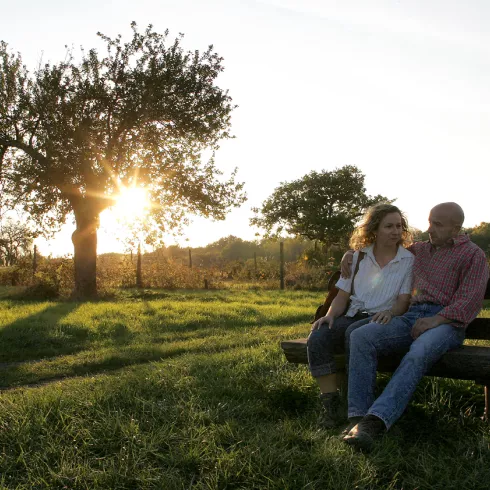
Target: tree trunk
(84,241)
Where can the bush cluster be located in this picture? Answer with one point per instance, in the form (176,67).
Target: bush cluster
(55,277)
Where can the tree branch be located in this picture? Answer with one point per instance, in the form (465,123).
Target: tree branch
(34,131)
(3,151)
(36,156)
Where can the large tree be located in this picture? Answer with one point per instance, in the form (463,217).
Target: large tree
(141,114)
(321,206)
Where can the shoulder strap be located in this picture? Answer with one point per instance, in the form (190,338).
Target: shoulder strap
(359,258)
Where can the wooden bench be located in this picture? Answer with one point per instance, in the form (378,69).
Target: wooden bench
(468,362)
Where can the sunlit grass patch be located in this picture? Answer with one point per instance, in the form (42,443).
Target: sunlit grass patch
(191,390)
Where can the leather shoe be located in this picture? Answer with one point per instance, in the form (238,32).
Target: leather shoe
(363,435)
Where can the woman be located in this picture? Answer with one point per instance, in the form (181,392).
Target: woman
(381,290)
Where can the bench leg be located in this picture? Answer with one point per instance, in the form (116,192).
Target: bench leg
(486,391)
(486,395)
(342,382)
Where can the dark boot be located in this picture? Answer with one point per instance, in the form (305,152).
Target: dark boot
(363,435)
(353,421)
(334,412)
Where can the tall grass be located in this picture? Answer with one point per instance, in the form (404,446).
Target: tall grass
(54,278)
(179,390)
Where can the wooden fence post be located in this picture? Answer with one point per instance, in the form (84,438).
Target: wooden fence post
(190,259)
(34,261)
(281,268)
(139,280)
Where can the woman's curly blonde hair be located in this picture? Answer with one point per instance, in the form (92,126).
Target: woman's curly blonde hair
(365,232)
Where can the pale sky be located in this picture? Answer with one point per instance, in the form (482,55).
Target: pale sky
(398,88)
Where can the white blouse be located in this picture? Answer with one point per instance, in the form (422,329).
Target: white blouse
(377,289)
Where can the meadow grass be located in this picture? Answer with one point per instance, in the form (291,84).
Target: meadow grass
(180,390)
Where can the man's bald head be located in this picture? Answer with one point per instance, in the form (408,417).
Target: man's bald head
(445,222)
(453,211)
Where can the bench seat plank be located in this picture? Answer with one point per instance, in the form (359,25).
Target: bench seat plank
(467,362)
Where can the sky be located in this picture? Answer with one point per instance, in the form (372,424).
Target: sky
(399,89)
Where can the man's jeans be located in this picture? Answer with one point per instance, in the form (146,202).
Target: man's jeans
(325,342)
(372,340)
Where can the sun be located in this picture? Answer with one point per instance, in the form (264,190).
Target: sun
(125,221)
(131,204)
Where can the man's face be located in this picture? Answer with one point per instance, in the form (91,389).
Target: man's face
(441,227)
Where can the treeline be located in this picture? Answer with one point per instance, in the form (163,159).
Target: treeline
(480,235)
(228,262)
(16,242)
(232,248)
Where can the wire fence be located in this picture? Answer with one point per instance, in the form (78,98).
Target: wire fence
(51,277)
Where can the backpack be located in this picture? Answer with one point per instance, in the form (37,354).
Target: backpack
(332,290)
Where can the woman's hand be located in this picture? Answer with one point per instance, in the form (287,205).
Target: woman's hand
(324,319)
(382,317)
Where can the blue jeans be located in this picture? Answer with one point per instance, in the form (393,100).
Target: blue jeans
(372,340)
(325,342)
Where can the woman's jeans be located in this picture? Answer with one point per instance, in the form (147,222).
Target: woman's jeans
(374,339)
(325,342)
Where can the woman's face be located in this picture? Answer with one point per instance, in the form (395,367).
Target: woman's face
(389,230)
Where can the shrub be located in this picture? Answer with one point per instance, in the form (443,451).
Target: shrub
(55,277)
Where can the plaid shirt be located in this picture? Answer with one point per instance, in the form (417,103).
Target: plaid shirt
(454,277)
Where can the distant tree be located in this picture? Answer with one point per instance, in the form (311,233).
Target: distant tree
(143,114)
(294,248)
(16,240)
(222,242)
(174,251)
(321,206)
(480,235)
(239,249)
(419,235)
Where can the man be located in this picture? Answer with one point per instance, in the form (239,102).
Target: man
(449,279)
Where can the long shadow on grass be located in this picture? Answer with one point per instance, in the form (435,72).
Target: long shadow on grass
(41,335)
(250,382)
(150,294)
(240,318)
(15,376)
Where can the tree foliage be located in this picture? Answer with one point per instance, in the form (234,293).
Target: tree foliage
(16,240)
(144,114)
(480,235)
(419,235)
(320,206)
(239,249)
(232,248)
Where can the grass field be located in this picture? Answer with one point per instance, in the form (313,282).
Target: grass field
(181,390)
